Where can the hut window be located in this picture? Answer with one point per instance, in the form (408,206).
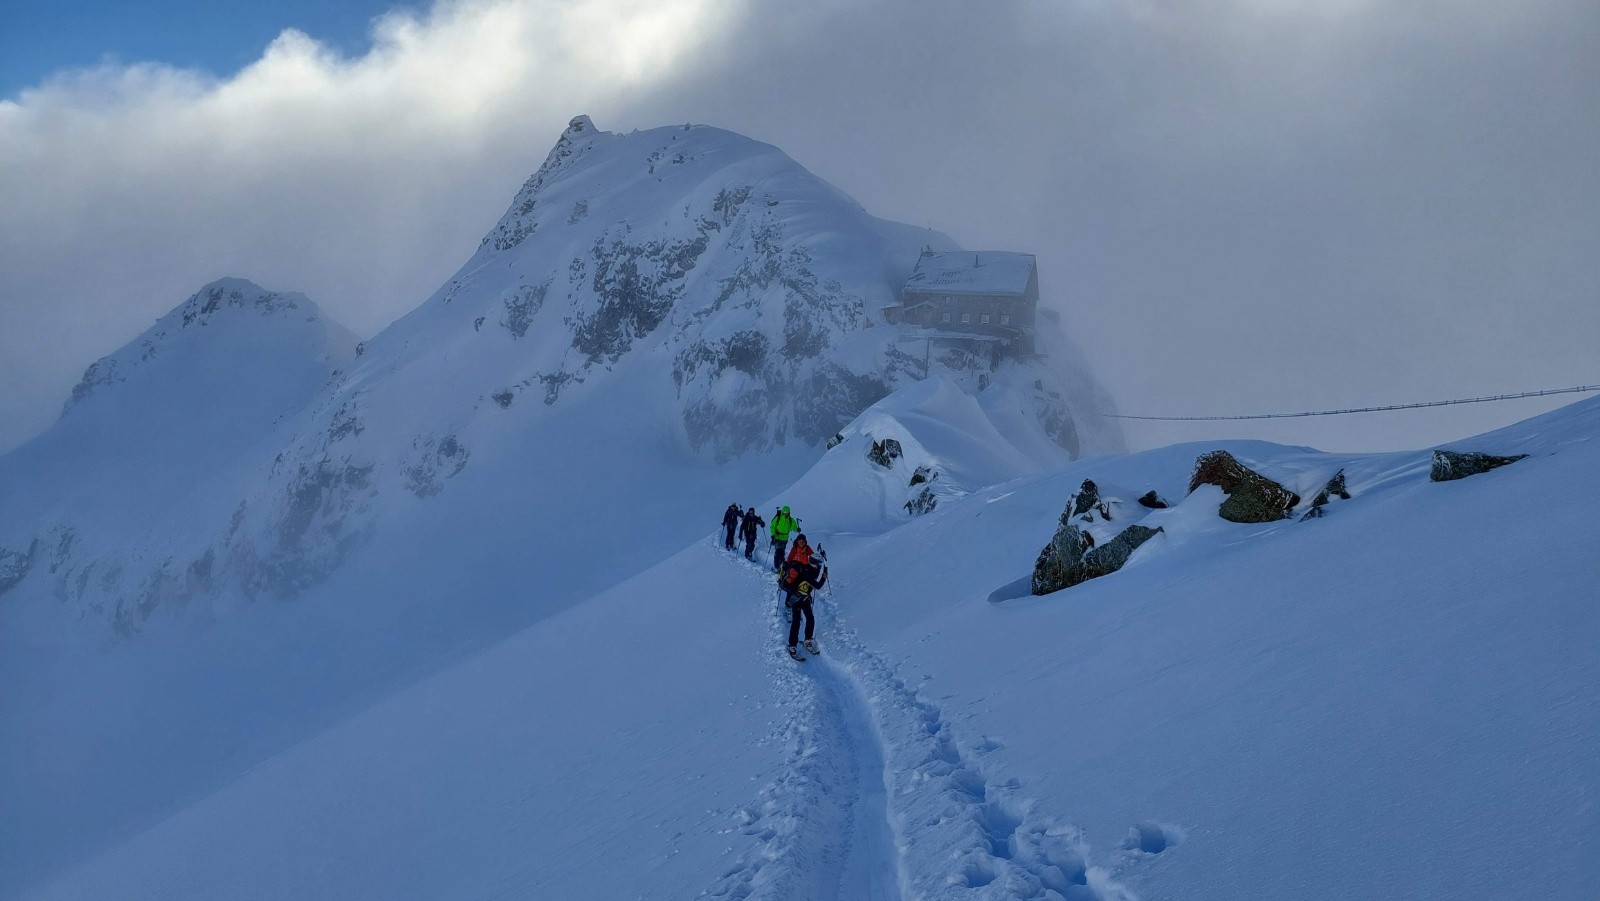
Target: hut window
(985,318)
(1005,318)
(946,317)
(966,318)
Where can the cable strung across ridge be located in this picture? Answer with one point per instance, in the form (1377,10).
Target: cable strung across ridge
(1577,389)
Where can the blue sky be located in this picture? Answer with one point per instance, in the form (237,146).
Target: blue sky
(38,38)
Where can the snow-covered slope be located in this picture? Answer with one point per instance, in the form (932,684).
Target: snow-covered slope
(156,445)
(1399,699)
(244,530)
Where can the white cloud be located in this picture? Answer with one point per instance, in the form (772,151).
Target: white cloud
(363,181)
(1238,203)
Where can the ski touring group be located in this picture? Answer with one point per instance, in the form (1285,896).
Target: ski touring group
(801,569)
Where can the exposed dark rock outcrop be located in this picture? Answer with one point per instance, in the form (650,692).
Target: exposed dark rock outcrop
(1087,498)
(1451,465)
(884,452)
(835,441)
(1109,557)
(1335,488)
(1071,557)
(1153,501)
(924,502)
(636,285)
(1060,559)
(1252,497)
(14,566)
(320,519)
(923,474)
(435,459)
(521,305)
(1056,417)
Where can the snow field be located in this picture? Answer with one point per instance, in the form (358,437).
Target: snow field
(880,800)
(1398,700)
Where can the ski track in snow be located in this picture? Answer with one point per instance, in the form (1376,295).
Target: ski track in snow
(877,800)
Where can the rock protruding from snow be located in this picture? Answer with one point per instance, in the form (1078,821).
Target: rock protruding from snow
(1335,488)
(885,452)
(1071,557)
(1451,465)
(1061,558)
(924,502)
(1252,497)
(1087,498)
(1153,501)
(14,565)
(1109,557)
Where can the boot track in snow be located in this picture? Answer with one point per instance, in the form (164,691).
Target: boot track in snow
(877,801)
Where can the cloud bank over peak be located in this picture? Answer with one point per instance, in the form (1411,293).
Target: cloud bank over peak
(1372,202)
(361,180)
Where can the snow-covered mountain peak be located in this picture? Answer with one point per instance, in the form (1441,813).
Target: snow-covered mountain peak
(580,125)
(238,294)
(225,318)
(720,266)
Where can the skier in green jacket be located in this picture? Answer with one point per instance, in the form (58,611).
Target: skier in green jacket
(783,523)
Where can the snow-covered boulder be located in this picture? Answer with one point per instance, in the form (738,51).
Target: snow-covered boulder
(1153,501)
(1086,500)
(1451,465)
(1252,497)
(1095,535)
(884,453)
(1061,559)
(1072,558)
(1335,487)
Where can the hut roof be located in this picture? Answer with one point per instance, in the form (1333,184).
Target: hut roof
(972,272)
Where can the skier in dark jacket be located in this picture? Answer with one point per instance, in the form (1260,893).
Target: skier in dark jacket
(799,582)
(750,529)
(730,522)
